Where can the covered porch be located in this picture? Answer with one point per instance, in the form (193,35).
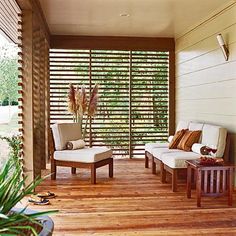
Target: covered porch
(151,76)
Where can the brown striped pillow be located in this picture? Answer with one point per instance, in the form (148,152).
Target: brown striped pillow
(189,138)
(176,139)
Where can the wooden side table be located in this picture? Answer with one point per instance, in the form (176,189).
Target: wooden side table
(210,180)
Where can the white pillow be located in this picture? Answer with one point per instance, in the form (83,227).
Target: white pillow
(197,148)
(77,144)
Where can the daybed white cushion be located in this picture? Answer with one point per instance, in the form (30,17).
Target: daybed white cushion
(85,155)
(214,136)
(158,152)
(150,146)
(177,159)
(193,126)
(182,125)
(64,132)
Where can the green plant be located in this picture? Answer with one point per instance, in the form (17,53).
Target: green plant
(15,143)
(12,191)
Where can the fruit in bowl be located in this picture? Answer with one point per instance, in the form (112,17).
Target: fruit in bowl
(211,161)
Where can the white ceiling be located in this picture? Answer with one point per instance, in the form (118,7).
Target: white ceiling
(148,18)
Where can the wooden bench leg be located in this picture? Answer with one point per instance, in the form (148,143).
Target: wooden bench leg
(163,173)
(146,160)
(93,174)
(154,166)
(73,170)
(53,170)
(111,169)
(174,180)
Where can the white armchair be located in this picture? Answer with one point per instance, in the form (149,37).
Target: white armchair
(92,158)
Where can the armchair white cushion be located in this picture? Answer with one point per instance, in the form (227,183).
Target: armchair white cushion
(85,155)
(64,132)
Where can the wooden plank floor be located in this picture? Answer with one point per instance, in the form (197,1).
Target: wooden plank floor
(134,202)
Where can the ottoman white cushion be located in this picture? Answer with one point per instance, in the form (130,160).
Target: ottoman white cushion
(85,155)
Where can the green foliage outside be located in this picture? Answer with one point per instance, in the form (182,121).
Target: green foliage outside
(8,75)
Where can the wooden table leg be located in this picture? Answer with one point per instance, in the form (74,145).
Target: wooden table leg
(199,187)
(189,181)
(230,187)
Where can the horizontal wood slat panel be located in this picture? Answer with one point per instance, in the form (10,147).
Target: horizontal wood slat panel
(133,95)
(9,20)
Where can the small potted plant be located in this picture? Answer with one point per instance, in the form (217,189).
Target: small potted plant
(12,190)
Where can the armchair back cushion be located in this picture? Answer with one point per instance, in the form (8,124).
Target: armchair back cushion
(64,132)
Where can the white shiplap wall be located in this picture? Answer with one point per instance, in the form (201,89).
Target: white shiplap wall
(205,82)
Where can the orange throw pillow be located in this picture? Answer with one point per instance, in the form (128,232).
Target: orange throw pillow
(176,139)
(189,138)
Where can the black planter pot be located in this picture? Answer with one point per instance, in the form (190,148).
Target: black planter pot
(46,222)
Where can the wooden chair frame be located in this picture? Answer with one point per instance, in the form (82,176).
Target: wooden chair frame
(74,165)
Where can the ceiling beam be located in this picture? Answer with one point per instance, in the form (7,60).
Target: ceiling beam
(36,8)
(25,4)
(112,43)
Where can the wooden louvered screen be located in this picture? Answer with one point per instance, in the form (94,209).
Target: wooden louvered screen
(9,24)
(133,90)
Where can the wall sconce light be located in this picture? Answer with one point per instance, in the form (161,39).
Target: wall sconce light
(223,46)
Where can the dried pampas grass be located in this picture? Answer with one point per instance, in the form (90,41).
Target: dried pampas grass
(78,103)
(92,109)
(71,99)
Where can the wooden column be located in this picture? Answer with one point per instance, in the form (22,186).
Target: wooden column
(27,95)
(171,92)
(35,87)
